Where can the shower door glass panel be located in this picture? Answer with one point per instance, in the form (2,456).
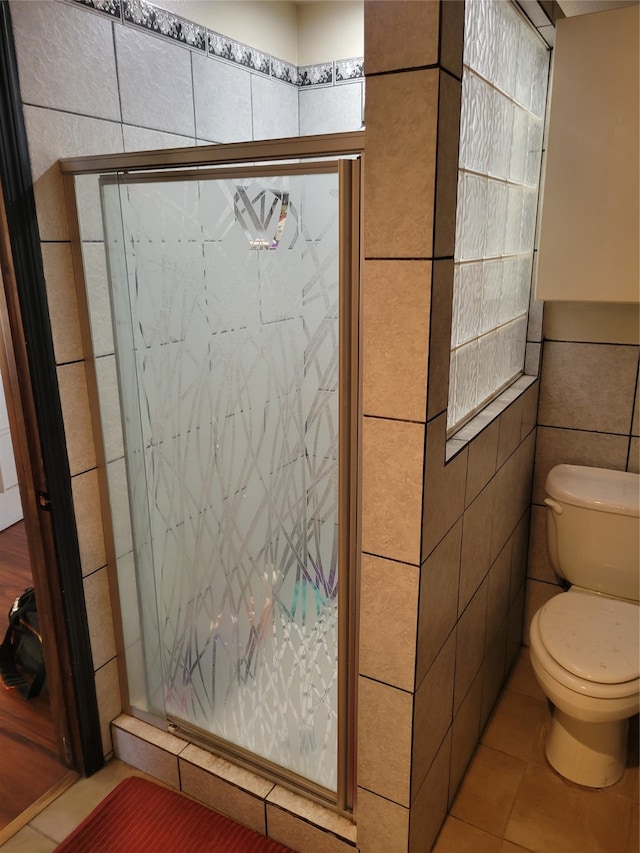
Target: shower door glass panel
(225,295)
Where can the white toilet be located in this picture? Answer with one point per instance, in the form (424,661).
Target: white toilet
(584,643)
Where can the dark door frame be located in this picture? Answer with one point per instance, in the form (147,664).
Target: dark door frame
(28,361)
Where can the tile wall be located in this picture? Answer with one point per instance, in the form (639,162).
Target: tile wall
(588,415)
(444,524)
(103,76)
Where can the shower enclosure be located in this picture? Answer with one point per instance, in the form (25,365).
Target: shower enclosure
(219,291)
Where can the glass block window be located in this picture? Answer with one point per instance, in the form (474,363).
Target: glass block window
(504,93)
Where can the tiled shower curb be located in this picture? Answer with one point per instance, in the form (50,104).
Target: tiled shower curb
(240,794)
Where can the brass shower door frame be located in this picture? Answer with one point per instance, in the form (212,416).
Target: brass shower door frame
(331,152)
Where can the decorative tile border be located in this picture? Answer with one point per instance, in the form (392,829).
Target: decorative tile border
(349,69)
(107,7)
(147,16)
(316,75)
(235,51)
(284,71)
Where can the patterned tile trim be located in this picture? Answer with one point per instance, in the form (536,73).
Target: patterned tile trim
(139,13)
(235,51)
(349,69)
(148,16)
(284,71)
(316,75)
(107,7)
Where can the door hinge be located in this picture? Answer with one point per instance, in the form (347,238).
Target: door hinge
(44,501)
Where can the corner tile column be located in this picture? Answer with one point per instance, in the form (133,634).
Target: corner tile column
(413,68)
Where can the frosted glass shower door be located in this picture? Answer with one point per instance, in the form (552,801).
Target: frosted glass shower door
(225,295)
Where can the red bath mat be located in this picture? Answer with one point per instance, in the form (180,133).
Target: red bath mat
(139,816)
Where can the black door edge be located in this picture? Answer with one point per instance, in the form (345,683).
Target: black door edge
(17,184)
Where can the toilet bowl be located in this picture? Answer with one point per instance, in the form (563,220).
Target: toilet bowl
(584,643)
(570,648)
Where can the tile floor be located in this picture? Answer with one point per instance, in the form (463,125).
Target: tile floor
(510,801)
(47,829)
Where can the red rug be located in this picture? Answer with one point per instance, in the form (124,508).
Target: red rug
(139,816)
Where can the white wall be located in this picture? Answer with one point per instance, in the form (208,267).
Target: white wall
(268,25)
(301,33)
(590,217)
(333,30)
(10,507)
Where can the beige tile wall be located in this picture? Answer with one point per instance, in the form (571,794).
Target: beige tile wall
(443,540)
(402,120)
(588,415)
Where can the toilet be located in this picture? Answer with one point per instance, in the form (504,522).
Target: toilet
(584,643)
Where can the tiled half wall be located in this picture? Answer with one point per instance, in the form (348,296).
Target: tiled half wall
(444,524)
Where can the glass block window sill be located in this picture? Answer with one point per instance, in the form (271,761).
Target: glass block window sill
(475,426)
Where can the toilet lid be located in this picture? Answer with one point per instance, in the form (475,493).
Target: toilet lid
(592,636)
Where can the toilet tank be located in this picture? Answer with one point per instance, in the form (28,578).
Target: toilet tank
(593,528)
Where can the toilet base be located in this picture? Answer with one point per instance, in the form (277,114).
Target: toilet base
(591,754)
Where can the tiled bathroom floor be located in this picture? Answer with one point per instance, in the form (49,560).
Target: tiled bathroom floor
(510,801)
(47,829)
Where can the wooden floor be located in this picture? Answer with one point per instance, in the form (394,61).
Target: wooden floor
(29,765)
